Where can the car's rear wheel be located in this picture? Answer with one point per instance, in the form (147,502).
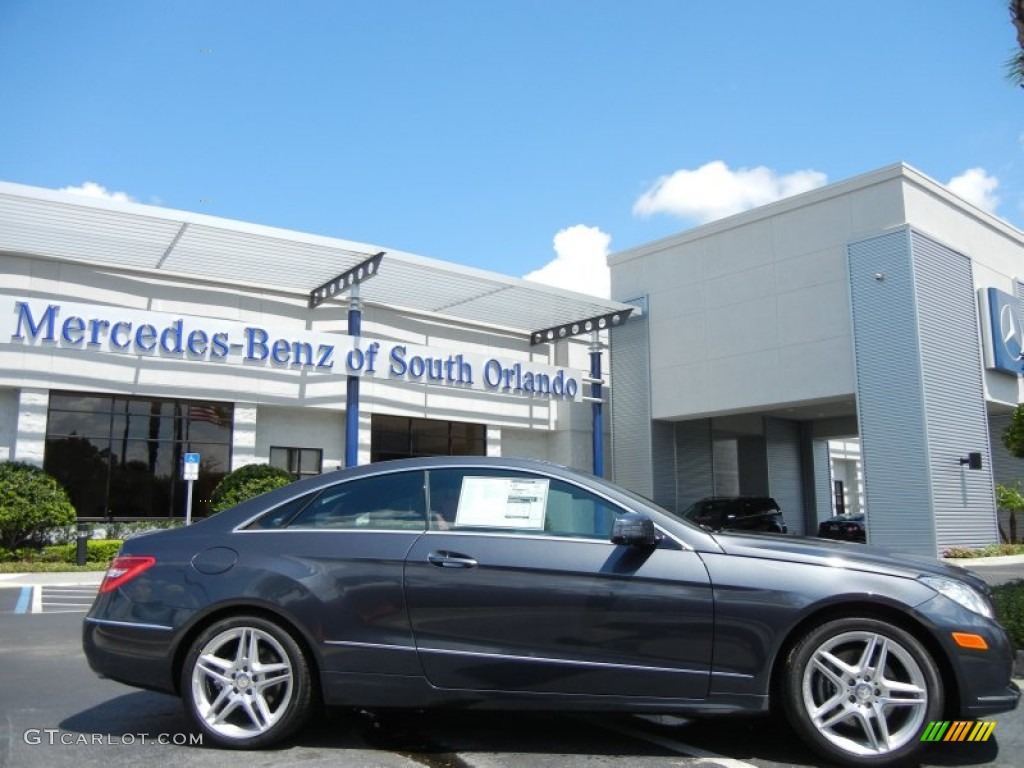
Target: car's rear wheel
(246,683)
(860,691)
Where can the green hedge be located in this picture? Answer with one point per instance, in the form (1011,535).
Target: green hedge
(1009,601)
(32,502)
(97,551)
(245,483)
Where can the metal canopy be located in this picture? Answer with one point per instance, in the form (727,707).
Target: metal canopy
(60,225)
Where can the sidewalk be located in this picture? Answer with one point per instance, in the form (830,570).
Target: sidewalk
(59,579)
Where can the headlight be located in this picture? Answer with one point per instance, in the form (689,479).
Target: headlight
(960,593)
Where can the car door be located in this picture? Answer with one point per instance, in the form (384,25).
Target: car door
(517,587)
(336,557)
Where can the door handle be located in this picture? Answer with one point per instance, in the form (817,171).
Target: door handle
(451,560)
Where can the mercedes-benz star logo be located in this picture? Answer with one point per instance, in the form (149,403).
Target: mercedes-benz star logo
(1010,332)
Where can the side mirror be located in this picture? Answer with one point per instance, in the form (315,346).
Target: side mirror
(634,530)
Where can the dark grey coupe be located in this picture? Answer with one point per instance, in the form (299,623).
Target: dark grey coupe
(506,583)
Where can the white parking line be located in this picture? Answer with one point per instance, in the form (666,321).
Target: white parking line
(57,599)
(677,746)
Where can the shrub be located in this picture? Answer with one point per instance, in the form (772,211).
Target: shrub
(246,483)
(31,503)
(992,550)
(1009,602)
(120,530)
(96,551)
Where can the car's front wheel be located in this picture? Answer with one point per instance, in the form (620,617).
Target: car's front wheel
(860,691)
(246,683)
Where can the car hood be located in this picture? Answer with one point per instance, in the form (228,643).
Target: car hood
(837,554)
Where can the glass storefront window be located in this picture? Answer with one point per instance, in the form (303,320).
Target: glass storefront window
(120,457)
(400,437)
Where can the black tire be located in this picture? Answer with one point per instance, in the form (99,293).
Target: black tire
(839,691)
(240,702)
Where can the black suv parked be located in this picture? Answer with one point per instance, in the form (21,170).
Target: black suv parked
(737,513)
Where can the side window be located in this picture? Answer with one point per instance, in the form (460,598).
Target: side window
(279,516)
(516,502)
(392,502)
(573,511)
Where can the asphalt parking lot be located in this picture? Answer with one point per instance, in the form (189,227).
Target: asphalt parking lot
(58,713)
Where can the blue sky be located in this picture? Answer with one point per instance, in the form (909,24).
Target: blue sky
(490,133)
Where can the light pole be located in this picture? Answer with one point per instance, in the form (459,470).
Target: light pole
(349,282)
(593,326)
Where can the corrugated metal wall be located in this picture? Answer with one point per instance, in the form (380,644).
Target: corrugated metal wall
(785,473)
(890,407)
(954,395)
(663,464)
(821,477)
(631,406)
(695,476)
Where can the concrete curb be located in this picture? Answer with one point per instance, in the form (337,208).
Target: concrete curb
(969,562)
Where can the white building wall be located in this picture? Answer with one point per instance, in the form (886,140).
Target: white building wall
(8,422)
(30,443)
(301,428)
(528,443)
(243,436)
(754,312)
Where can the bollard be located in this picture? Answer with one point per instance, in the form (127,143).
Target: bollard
(83,543)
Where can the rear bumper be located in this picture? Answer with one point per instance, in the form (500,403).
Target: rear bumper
(132,653)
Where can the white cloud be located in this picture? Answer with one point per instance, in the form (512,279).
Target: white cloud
(714,190)
(975,186)
(92,189)
(581,262)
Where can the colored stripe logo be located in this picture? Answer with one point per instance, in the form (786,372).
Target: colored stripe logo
(958,730)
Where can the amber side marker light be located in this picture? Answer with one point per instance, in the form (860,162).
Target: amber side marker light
(968,640)
(124,569)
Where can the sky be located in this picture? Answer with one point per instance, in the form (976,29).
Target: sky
(530,138)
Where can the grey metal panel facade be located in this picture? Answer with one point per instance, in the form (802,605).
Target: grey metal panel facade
(785,473)
(890,407)
(954,396)
(663,463)
(821,482)
(695,469)
(631,406)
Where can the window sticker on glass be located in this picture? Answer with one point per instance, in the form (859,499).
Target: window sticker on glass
(503,502)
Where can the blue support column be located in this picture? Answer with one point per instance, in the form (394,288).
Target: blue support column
(355,323)
(595,406)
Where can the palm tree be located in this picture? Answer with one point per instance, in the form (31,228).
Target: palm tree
(1016,63)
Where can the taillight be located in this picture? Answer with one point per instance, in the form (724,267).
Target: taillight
(125,568)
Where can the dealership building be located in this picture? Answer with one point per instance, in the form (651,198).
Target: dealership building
(881,314)
(132,335)
(882,308)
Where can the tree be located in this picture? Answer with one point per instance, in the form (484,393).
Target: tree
(246,483)
(1016,63)
(1011,499)
(31,504)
